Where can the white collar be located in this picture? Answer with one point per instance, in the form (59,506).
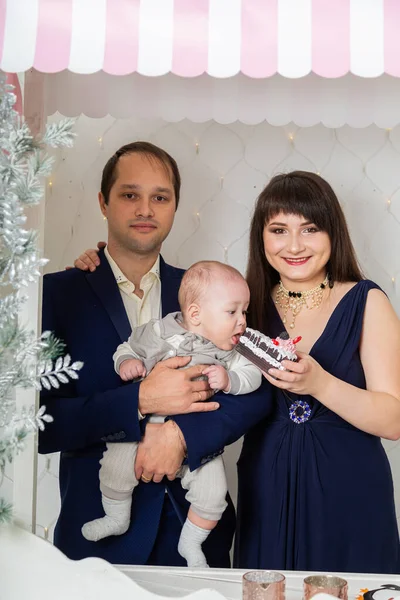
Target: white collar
(119,275)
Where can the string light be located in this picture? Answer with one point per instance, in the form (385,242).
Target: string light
(197,147)
(388,202)
(197,214)
(318,173)
(100,140)
(46,533)
(291,137)
(393,280)
(50,183)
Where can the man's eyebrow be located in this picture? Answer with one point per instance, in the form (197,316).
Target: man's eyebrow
(135,186)
(129,186)
(163,190)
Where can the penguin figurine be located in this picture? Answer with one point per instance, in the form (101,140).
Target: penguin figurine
(388,591)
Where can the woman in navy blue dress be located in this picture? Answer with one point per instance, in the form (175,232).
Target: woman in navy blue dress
(315,486)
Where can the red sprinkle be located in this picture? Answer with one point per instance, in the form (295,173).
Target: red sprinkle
(297,339)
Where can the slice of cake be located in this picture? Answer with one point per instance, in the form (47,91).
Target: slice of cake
(265,352)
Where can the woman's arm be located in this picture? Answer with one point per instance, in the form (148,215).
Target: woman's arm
(375,410)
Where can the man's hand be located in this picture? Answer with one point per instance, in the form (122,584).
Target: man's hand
(132,368)
(89,260)
(218,378)
(161,452)
(169,390)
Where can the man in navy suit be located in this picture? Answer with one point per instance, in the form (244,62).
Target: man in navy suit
(93,312)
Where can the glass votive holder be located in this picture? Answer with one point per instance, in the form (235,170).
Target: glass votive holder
(263,585)
(327,584)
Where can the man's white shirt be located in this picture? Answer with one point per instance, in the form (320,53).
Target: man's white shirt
(139,310)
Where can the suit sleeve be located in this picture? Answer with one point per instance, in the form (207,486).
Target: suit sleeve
(81,421)
(206,434)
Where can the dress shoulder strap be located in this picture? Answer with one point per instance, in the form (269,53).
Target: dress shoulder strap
(343,331)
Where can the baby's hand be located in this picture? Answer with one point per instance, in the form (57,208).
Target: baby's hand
(218,378)
(132,368)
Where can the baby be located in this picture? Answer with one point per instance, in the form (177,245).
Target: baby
(213,298)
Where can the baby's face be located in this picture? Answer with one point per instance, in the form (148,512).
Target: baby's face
(223,311)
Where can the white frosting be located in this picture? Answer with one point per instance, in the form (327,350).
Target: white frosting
(253,345)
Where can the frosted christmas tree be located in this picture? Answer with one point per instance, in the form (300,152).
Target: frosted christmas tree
(25,360)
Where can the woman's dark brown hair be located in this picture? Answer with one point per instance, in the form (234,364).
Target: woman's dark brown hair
(310,196)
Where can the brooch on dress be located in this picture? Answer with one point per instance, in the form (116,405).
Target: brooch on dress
(299,411)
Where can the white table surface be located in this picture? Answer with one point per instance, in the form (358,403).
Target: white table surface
(32,568)
(179,582)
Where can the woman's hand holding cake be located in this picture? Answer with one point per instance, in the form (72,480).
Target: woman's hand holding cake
(305,376)
(282,365)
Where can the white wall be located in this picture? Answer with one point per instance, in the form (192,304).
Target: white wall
(221,180)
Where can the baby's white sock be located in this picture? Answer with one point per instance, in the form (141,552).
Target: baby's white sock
(116,521)
(190,541)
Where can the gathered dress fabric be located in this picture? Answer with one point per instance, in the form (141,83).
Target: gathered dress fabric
(318,495)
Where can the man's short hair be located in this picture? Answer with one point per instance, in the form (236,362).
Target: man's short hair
(198,277)
(109,175)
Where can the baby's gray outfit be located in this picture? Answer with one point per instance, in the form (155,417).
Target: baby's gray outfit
(158,340)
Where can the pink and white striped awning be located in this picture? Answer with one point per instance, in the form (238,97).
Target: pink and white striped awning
(189,37)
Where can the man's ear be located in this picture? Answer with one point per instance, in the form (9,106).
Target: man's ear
(193,314)
(102,203)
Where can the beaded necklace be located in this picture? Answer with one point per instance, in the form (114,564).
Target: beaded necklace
(294,301)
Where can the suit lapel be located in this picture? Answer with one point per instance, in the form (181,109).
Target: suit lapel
(106,289)
(170,282)
(103,283)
